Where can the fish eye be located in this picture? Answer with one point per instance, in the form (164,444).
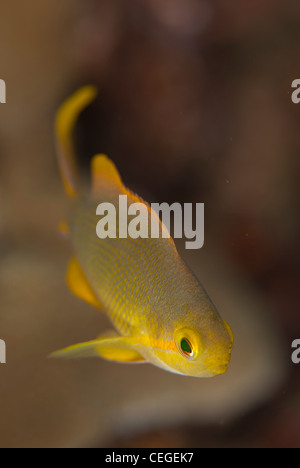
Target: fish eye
(188,342)
(187,348)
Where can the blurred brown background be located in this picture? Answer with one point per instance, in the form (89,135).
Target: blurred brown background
(194,105)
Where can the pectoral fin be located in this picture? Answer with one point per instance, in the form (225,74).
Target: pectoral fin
(79,284)
(113,348)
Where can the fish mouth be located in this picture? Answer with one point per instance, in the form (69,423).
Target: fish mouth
(217,370)
(221,370)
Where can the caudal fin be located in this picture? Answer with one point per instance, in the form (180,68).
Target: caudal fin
(66,119)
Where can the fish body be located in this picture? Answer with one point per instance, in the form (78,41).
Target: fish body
(160,312)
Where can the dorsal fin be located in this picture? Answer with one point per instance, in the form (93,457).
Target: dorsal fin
(104,173)
(106,177)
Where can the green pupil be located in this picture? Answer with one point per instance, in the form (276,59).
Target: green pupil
(186,347)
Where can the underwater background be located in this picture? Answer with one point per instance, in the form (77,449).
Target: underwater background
(194,106)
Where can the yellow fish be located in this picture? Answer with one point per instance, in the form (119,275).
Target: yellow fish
(161,313)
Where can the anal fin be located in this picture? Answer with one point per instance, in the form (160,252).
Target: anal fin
(79,285)
(63,229)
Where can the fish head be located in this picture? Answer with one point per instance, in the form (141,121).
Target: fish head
(200,348)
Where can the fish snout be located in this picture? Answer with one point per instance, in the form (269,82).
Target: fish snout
(230,333)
